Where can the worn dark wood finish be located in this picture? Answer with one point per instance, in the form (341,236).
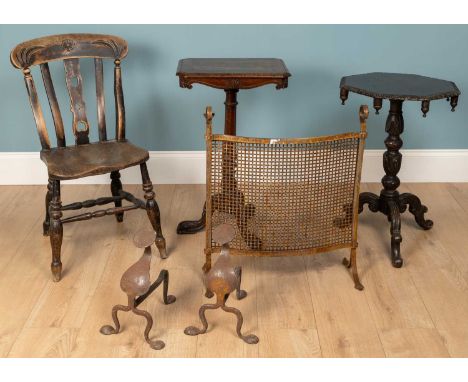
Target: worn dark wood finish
(54,106)
(84,158)
(136,284)
(116,188)
(56,230)
(92,159)
(74,45)
(230,74)
(152,210)
(37,110)
(119,103)
(77,104)
(48,198)
(101,105)
(397,88)
(223,279)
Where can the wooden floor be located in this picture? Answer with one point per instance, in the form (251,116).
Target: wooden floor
(299,307)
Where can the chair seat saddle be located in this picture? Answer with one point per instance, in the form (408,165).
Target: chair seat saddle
(74,162)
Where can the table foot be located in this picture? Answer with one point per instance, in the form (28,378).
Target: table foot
(395,232)
(393,206)
(372,200)
(417,209)
(192,226)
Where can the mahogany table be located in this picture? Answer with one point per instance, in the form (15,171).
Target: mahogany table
(397,88)
(229,74)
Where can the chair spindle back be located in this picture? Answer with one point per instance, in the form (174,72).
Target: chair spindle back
(70,48)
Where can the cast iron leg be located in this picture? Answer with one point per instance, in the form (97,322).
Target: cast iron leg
(152,210)
(206,268)
(56,230)
(109,329)
(156,345)
(168,299)
(390,202)
(193,330)
(48,198)
(251,338)
(240,294)
(116,187)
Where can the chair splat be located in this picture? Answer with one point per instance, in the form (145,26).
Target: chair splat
(77,104)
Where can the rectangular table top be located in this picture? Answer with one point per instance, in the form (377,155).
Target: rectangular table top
(232,67)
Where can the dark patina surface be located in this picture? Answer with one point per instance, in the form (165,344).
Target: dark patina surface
(83,158)
(397,88)
(230,74)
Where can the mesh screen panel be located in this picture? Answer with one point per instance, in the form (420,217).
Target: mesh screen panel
(284,196)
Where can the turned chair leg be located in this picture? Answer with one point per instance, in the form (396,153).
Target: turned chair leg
(48,198)
(152,210)
(56,230)
(116,187)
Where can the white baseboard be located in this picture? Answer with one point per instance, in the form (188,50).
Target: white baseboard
(188,167)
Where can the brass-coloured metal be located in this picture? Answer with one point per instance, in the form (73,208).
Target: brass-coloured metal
(284,196)
(135,282)
(221,280)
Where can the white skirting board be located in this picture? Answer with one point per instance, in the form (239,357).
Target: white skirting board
(188,167)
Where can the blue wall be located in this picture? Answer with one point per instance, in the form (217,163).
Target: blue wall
(162,116)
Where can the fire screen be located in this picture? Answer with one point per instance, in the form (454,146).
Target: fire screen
(285,196)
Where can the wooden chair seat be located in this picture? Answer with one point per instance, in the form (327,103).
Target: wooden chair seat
(74,162)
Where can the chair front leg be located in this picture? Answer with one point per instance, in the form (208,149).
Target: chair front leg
(48,198)
(152,209)
(56,230)
(116,187)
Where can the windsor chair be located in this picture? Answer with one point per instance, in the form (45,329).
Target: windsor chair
(84,158)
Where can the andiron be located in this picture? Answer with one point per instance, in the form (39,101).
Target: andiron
(135,282)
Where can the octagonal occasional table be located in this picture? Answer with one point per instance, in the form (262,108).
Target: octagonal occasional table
(229,74)
(397,88)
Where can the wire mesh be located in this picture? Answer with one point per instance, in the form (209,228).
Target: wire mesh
(284,196)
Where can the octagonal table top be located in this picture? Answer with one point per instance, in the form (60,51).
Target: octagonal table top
(399,86)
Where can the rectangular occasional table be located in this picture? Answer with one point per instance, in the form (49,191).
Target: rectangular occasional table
(229,74)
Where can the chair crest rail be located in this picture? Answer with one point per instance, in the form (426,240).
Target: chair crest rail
(75,45)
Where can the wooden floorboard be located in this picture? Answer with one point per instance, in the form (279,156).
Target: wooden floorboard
(304,306)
